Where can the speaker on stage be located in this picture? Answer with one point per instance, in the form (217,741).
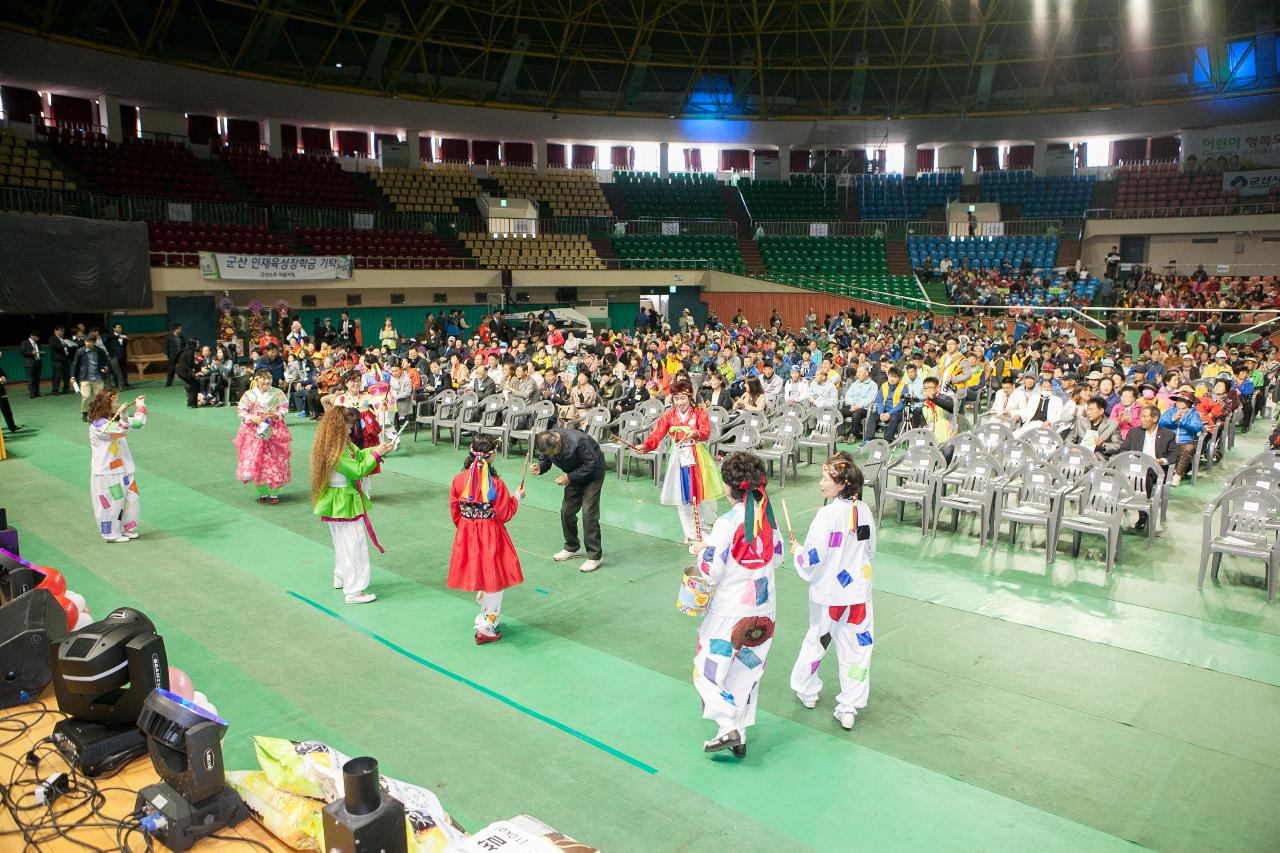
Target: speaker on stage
(30,625)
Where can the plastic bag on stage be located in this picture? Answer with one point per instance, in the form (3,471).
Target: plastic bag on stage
(295,820)
(314,769)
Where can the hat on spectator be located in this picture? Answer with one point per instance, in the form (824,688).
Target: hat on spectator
(1108,362)
(1095,374)
(1048,367)
(1220,354)
(1184,397)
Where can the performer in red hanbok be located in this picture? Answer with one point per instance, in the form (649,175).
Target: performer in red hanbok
(483,560)
(692,481)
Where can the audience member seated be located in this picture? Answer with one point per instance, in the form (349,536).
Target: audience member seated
(1020,254)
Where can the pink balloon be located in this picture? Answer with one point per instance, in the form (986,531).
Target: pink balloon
(180,683)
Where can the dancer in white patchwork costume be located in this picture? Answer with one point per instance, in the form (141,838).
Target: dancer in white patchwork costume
(835,559)
(112,484)
(738,559)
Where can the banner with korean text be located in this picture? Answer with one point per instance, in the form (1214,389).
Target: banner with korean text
(1257,182)
(1231,149)
(218,266)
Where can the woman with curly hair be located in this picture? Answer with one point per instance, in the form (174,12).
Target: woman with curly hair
(112,482)
(738,560)
(483,559)
(263,441)
(337,468)
(835,560)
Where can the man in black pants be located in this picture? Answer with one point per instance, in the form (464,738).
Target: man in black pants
(60,352)
(579,456)
(5,411)
(32,360)
(173,347)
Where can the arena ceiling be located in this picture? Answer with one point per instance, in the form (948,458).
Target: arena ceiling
(785,59)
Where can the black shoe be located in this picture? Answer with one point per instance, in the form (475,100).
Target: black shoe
(56,393)
(1141,525)
(15,427)
(740,751)
(84,416)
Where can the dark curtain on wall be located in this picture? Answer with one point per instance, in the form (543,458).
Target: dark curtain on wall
(289,138)
(65,263)
(317,140)
(128,121)
(244,131)
(353,143)
(584,156)
(517,153)
(924,159)
(425,154)
(380,139)
(800,161)
(1165,148)
(735,160)
(693,159)
(77,112)
(20,104)
(485,150)
(988,158)
(456,150)
(1128,151)
(202,129)
(622,157)
(555,154)
(1020,157)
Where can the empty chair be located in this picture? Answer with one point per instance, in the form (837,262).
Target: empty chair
(824,434)
(1139,470)
(1246,524)
(795,410)
(739,438)
(448,414)
(628,428)
(651,408)
(973,493)
(910,479)
(757,421)
(1038,485)
(780,444)
(474,418)
(1101,494)
(957,448)
(994,434)
(528,423)
(1045,440)
(597,424)
(424,414)
(1266,459)
(872,458)
(1257,477)
(719,420)
(914,438)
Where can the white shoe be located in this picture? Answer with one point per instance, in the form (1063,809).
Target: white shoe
(361,598)
(120,538)
(564,554)
(808,703)
(590,565)
(131,536)
(1175,479)
(337,582)
(845,719)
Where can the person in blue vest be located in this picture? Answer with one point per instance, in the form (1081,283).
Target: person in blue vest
(890,403)
(1185,422)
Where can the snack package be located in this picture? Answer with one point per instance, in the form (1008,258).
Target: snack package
(295,820)
(521,834)
(314,769)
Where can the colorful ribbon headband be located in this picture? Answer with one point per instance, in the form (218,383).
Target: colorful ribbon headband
(757,511)
(480,480)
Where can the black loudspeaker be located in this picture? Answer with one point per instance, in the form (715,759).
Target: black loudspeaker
(566,294)
(30,625)
(506,280)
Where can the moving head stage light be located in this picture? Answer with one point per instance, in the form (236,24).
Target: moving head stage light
(102,675)
(193,799)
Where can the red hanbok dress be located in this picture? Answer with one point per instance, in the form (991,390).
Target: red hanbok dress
(483,558)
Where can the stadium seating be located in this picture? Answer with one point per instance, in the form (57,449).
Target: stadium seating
(368,244)
(684,251)
(1060,195)
(561,192)
(545,252)
(22,167)
(856,256)
(896,197)
(176,244)
(1161,190)
(142,168)
(983,252)
(684,195)
(433,190)
(899,290)
(800,198)
(297,179)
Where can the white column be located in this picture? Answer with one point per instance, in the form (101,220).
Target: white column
(540,156)
(1039,156)
(413,139)
(109,115)
(784,163)
(909,160)
(664,155)
(271,133)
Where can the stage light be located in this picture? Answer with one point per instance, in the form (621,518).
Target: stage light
(102,675)
(364,820)
(193,799)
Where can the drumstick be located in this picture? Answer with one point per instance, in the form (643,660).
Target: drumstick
(525,473)
(697,522)
(786,515)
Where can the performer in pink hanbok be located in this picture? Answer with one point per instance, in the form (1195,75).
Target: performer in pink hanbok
(263,442)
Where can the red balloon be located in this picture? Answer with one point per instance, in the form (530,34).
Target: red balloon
(73,612)
(53,581)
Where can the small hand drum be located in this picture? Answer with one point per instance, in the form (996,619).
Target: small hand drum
(695,592)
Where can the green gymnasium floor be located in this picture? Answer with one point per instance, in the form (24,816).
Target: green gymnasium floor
(1012,708)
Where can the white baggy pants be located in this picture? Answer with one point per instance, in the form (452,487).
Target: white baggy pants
(706,518)
(728,679)
(115,504)
(849,627)
(490,612)
(351,555)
